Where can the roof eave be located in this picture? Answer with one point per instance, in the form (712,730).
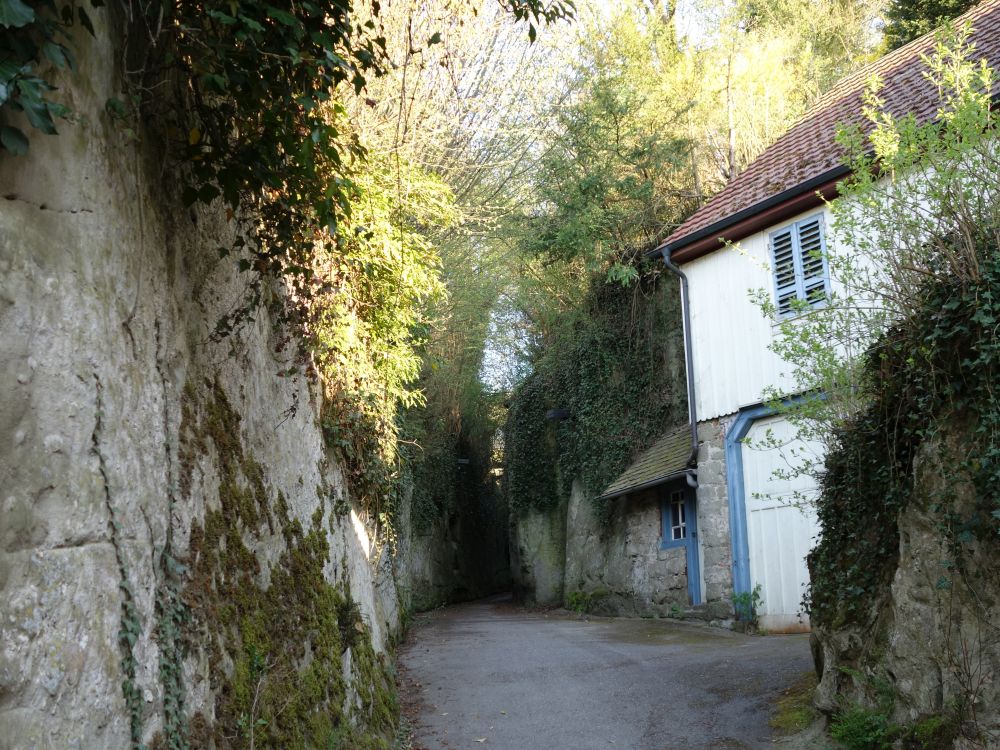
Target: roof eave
(752,219)
(647,485)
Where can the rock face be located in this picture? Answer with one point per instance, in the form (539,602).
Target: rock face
(460,556)
(538,556)
(161,493)
(932,658)
(616,567)
(568,556)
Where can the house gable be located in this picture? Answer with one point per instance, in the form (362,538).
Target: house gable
(802,168)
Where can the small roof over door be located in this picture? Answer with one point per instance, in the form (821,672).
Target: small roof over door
(665,460)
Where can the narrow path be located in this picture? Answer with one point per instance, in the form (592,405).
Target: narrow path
(489,674)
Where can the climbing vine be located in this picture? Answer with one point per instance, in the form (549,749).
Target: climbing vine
(130,623)
(918,293)
(616,381)
(32,35)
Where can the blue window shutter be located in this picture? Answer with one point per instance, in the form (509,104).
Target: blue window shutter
(811,249)
(783,265)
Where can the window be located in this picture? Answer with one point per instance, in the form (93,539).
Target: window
(676,522)
(798,257)
(678,527)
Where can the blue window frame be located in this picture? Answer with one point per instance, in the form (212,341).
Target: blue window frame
(799,265)
(674,531)
(679,528)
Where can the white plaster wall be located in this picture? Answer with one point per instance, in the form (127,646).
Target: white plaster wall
(730,335)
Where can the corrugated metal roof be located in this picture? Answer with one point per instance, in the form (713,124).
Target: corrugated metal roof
(808,149)
(666,459)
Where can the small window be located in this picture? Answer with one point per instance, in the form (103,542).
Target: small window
(678,518)
(798,256)
(678,523)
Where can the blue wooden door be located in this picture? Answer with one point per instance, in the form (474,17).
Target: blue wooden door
(680,529)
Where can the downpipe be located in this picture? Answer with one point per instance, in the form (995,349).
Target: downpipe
(692,474)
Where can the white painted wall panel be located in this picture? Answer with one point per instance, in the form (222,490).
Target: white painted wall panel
(781,520)
(732,362)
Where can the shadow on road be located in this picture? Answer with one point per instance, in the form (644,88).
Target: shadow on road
(493,674)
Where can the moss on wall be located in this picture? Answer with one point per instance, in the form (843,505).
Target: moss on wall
(275,637)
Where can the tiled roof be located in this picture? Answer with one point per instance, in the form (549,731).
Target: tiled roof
(666,459)
(808,151)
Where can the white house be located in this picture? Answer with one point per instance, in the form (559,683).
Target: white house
(751,532)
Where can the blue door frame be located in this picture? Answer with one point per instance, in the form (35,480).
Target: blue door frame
(737,493)
(737,490)
(690,542)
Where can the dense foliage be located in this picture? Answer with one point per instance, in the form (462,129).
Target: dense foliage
(618,377)
(31,35)
(933,374)
(908,19)
(906,349)
(655,123)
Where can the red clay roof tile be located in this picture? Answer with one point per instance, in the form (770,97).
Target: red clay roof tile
(808,149)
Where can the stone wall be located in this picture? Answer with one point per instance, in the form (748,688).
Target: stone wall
(160,493)
(616,566)
(933,653)
(713,518)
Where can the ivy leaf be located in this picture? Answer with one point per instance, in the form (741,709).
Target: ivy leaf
(15,14)
(85,20)
(13,140)
(208,193)
(251,24)
(435,39)
(35,108)
(221,17)
(278,15)
(214,82)
(58,55)
(7,73)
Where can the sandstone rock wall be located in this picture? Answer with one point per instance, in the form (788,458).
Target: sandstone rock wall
(932,658)
(616,567)
(460,556)
(538,555)
(147,474)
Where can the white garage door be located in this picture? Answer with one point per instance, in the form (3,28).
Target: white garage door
(781,522)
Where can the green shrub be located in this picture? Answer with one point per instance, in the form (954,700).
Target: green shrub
(862,729)
(578,601)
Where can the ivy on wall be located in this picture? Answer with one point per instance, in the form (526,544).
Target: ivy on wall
(618,374)
(331,240)
(939,368)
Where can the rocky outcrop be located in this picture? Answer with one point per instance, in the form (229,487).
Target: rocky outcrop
(179,556)
(458,556)
(538,556)
(932,658)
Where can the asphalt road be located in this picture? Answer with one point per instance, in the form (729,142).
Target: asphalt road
(492,675)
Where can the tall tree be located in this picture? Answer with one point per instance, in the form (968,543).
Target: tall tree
(908,19)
